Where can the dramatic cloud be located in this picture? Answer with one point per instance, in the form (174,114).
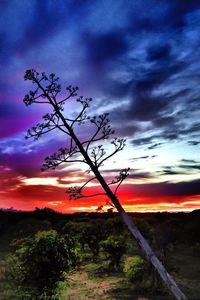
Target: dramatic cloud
(139,60)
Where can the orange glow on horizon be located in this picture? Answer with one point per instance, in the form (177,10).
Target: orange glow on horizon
(28,193)
(60,203)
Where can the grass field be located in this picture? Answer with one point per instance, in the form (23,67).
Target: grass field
(112,286)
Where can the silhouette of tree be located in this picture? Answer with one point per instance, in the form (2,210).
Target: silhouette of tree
(48,91)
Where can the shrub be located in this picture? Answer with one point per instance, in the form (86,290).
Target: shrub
(113,226)
(86,233)
(135,269)
(114,247)
(40,262)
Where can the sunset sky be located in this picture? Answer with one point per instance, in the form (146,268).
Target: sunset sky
(139,61)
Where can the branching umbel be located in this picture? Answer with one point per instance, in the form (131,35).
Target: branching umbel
(120,178)
(63,155)
(48,92)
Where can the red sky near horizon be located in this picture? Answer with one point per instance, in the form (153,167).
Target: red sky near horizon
(140,63)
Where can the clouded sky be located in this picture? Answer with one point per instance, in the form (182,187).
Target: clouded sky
(139,61)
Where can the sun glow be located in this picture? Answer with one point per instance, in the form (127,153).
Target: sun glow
(57,182)
(51,181)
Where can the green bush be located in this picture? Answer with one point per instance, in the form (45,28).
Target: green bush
(40,262)
(114,247)
(135,269)
(86,234)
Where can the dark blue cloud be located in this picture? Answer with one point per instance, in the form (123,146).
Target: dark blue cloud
(179,11)
(159,52)
(179,189)
(145,104)
(194,143)
(30,25)
(106,47)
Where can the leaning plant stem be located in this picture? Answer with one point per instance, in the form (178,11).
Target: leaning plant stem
(142,242)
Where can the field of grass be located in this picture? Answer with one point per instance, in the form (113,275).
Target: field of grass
(82,286)
(107,287)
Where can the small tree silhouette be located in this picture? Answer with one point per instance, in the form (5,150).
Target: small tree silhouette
(48,91)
